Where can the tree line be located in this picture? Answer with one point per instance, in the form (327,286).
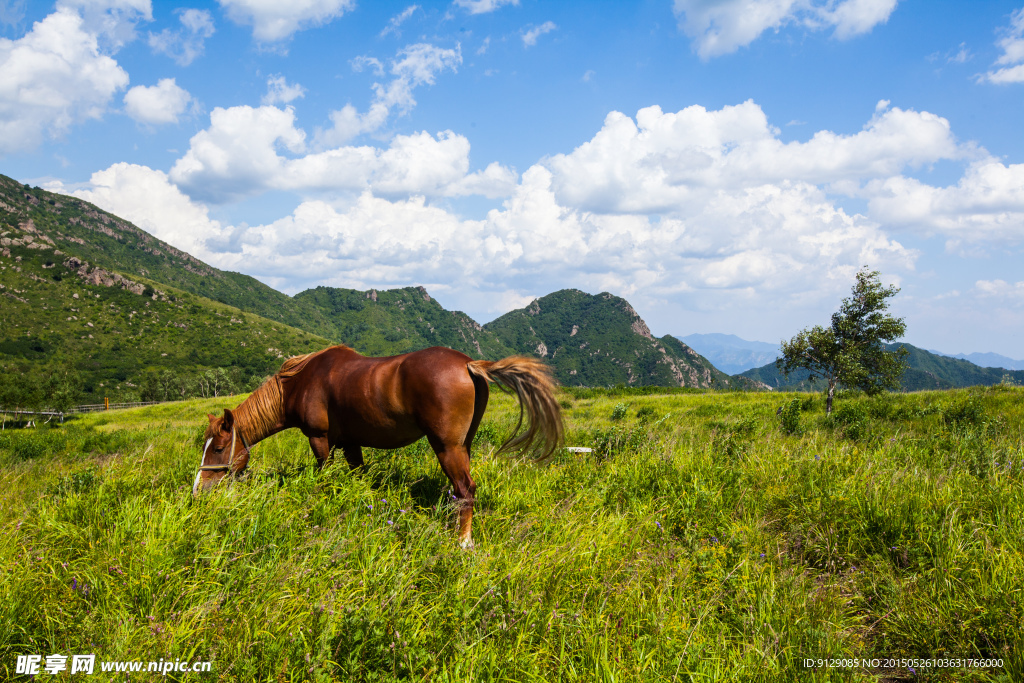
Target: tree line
(59,390)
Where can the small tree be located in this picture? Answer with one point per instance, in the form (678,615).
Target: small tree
(850,351)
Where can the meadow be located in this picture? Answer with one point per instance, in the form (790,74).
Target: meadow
(706,537)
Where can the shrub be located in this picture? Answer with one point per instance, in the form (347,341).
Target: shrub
(853,418)
(790,415)
(966,412)
(619,412)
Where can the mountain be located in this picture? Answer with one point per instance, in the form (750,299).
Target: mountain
(926,370)
(113,332)
(731,354)
(599,340)
(90,293)
(985,360)
(106,241)
(388,322)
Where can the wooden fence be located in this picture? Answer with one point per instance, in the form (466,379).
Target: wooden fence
(89,408)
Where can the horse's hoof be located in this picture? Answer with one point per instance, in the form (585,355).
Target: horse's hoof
(466,544)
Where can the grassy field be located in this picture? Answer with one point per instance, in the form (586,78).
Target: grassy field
(705,538)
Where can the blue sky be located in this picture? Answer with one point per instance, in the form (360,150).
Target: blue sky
(725,165)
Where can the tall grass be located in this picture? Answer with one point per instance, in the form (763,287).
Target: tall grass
(705,537)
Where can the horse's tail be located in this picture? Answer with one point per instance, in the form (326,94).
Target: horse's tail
(530,380)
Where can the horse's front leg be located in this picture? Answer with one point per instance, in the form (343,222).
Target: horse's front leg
(353,456)
(321,449)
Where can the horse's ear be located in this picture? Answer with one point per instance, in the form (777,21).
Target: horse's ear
(229,421)
(211,417)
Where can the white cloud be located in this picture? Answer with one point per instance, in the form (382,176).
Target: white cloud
(962,56)
(719,27)
(160,103)
(237,154)
(413,66)
(273,20)
(146,198)
(278,90)
(241,154)
(768,242)
(52,77)
(483,6)
(361,62)
(1006,292)
(186,45)
(1012,59)
(673,162)
(112,21)
(986,204)
(396,21)
(531,35)
(855,17)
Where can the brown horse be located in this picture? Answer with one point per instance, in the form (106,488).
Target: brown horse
(338,397)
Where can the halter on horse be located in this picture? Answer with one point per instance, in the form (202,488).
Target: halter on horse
(338,397)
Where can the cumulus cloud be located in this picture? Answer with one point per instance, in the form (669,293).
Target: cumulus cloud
(695,200)
(766,242)
(1012,59)
(413,66)
(1005,292)
(719,27)
(160,103)
(185,45)
(243,153)
(531,34)
(986,204)
(483,6)
(149,200)
(274,21)
(855,17)
(279,90)
(52,77)
(396,21)
(112,21)
(673,162)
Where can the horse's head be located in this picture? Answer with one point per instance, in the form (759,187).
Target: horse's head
(224,452)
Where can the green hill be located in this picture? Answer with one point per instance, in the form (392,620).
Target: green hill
(106,241)
(387,322)
(600,340)
(111,335)
(925,370)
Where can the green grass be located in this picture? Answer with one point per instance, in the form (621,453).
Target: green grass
(703,539)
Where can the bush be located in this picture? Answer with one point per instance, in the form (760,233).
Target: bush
(853,418)
(790,415)
(964,413)
(619,412)
(608,443)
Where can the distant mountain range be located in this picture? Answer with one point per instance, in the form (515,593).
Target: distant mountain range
(985,360)
(730,353)
(925,370)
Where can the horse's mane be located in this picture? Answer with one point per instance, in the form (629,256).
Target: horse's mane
(262,410)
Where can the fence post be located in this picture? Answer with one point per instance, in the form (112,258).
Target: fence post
(106,403)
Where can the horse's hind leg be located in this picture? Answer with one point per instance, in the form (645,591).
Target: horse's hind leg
(454,459)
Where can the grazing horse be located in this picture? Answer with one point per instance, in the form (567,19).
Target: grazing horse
(338,397)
